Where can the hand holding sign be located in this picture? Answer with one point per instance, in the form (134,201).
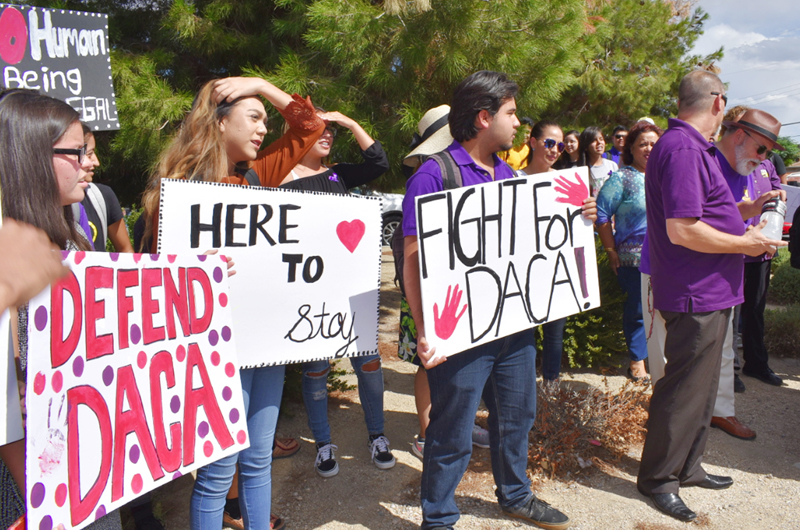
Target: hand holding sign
(446,324)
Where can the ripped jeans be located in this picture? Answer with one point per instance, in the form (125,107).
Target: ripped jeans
(315,395)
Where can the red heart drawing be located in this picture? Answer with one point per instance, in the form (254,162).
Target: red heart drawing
(350,233)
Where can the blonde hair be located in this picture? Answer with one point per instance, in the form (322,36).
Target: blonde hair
(196,151)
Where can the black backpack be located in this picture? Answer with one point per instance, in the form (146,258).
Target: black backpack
(451,179)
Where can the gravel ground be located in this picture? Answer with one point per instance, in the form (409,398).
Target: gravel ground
(766,471)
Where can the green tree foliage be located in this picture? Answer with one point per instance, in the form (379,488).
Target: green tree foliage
(385,63)
(792,152)
(632,62)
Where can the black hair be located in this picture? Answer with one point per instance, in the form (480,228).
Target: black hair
(565,161)
(526,121)
(537,131)
(484,90)
(618,128)
(636,131)
(588,136)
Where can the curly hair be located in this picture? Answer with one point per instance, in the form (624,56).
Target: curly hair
(633,135)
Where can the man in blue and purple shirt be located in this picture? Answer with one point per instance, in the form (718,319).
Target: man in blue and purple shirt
(696,240)
(482,121)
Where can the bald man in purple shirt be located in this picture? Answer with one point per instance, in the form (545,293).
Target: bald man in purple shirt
(697,237)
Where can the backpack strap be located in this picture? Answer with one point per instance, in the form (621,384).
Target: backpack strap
(451,174)
(250,176)
(99,205)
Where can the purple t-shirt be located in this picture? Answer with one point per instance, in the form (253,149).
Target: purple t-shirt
(684,180)
(428,179)
(750,187)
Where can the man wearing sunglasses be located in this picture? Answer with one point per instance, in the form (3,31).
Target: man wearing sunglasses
(743,152)
(618,138)
(696,236)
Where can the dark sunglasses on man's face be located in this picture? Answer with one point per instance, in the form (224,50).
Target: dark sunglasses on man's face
(761,147)
(80,153)
(620,136)
(549,143)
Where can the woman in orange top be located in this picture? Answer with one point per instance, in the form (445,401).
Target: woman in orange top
(219,142)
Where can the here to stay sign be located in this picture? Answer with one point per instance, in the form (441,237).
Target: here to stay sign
(504,256)
(132,382)
(307,265)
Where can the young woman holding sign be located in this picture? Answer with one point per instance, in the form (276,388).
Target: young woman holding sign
(219,141)
(43,158)
(312,174)
(547,144)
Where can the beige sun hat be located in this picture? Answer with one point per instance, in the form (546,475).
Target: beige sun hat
(433,136)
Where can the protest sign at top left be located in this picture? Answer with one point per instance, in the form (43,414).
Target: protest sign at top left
(63,54)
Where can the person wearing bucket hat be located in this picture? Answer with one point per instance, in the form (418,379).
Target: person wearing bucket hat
(433,136)
(752,137)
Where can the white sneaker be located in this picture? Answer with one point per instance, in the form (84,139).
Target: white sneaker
(480,437)
(381,456)
(326,460)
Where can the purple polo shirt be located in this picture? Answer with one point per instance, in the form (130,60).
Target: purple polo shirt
(428,179)
(684,180)
(751,187)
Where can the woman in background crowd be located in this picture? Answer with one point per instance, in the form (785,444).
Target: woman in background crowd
(219,142)
(591,147)
(44,158)
(311,174)
(547,145)
(622,197)
(569,158)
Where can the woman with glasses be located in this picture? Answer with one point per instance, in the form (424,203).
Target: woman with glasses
(44,155)
(591,146)
(220,141)
(312,174)
(547,144)
(622,198)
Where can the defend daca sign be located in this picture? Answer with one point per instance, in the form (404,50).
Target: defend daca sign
(63,54)
(132,381)
(504,256)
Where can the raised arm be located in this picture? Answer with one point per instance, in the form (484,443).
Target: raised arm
(232,88)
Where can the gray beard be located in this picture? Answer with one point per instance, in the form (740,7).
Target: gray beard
(742,163)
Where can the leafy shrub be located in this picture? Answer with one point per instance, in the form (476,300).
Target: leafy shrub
(784,288)
(782,330)
(593,337)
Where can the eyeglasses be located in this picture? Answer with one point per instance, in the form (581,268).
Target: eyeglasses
(80,153)
(723,96)
(761,148)
(620,136)
(549,143)
(331,130)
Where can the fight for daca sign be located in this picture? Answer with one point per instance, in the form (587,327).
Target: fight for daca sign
(307,265)
(63,54)
(132,381)
(504,256)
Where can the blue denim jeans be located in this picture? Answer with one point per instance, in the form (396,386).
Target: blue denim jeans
(630,280)
(262,389)
(315,396)
(552,348)
(503,372)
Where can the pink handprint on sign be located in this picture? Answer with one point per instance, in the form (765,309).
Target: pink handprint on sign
(446,324)
(575,192)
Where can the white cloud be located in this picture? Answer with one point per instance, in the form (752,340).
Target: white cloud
(761,63)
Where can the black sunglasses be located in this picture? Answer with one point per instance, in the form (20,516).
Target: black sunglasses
(549,143)
(761,147)
(723,96)
(620,136)
(81,153)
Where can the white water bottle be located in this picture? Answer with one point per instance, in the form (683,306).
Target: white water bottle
(773,211)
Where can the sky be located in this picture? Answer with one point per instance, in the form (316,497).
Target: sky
(761,66)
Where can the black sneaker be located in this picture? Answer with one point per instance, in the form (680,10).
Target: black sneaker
(381,456)
(326,460)
(539,513)
(738,385)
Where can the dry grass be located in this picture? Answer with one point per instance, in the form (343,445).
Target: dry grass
(578,428)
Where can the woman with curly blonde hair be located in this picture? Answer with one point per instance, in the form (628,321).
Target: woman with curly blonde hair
(219,142)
